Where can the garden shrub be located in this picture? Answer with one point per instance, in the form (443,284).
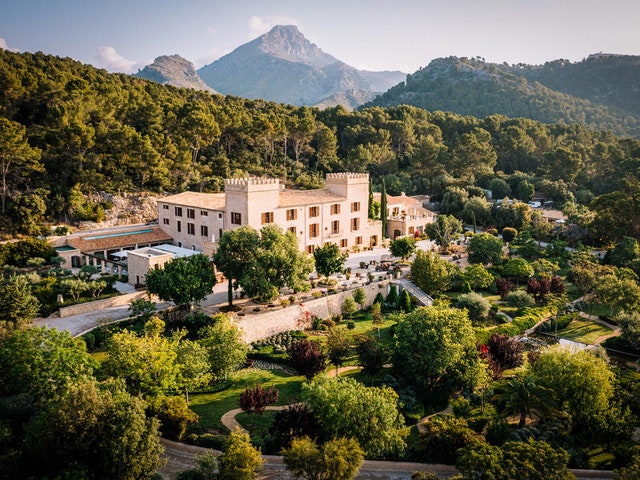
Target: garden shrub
(461,407)
(475,304)
(531,316)
(562,322)
(90,341)
(209,440)
(519,299)
(174,415)
(501,318)
(328,323)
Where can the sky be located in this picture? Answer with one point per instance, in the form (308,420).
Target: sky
(405,35)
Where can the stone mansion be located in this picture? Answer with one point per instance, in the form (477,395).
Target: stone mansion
(337,214)
(192,222)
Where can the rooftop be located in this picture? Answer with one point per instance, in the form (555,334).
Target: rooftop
(116,239)
(397,200)
(294,198)
(209,201)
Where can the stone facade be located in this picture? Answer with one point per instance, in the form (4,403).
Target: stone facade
(257,327)
(405,215)
(337,214)
(140,261)
(192,219)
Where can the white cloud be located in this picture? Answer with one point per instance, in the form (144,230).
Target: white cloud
(4,46)
(113,61)
(259,26)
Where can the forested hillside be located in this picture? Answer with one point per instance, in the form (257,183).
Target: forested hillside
(611,80)
(549,94)
(69,129)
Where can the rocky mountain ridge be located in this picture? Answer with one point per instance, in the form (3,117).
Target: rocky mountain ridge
(174,70)
(283,66)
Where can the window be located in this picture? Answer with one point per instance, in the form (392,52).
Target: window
(314,211)
(267,217)
(219,215)
(179,226)
(412,230)
(292,230)
(313,230)
(191,229)
(204,213)
(396,211)
(204,231)
(165,221)
(355,207)
(335,227)
(191,213)
(311,249)
(178,211)
(292,214)
(165,207)
(344,243)
(335,209)
(355,224)
(236,218)
(358,240)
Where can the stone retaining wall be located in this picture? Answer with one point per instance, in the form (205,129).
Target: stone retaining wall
(87,307)
(263,325)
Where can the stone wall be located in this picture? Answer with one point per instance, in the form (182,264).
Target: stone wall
(87,307)
(260,326)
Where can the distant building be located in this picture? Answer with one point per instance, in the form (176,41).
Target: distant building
(336,214)
(405,215)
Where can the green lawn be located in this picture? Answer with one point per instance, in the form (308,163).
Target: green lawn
(584,331)
(257,425)
(211,406)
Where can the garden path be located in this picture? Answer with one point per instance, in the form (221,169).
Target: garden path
(229,418)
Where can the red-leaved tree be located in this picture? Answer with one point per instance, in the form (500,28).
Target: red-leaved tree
(255,400)
(307,358)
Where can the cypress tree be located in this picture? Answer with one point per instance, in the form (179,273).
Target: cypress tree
(372,212)
(404,304)
(383,209)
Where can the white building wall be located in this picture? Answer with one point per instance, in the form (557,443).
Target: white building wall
(247,199)
(178,225)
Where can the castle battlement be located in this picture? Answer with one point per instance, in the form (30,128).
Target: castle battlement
(251,184)
(347,177)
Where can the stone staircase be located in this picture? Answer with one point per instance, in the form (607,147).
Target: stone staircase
(418,295)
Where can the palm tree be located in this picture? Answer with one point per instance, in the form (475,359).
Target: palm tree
(521,395)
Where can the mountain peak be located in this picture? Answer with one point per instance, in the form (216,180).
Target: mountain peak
(174,70)
(283,66)
(288,43)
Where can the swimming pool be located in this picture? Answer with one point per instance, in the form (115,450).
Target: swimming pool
(121,234)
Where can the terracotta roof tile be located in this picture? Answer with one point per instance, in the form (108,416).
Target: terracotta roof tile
(92,242)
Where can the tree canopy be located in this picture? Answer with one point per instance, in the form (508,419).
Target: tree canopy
(277,263)
(435,349)
(329,259)
(347,408)
(182,280)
